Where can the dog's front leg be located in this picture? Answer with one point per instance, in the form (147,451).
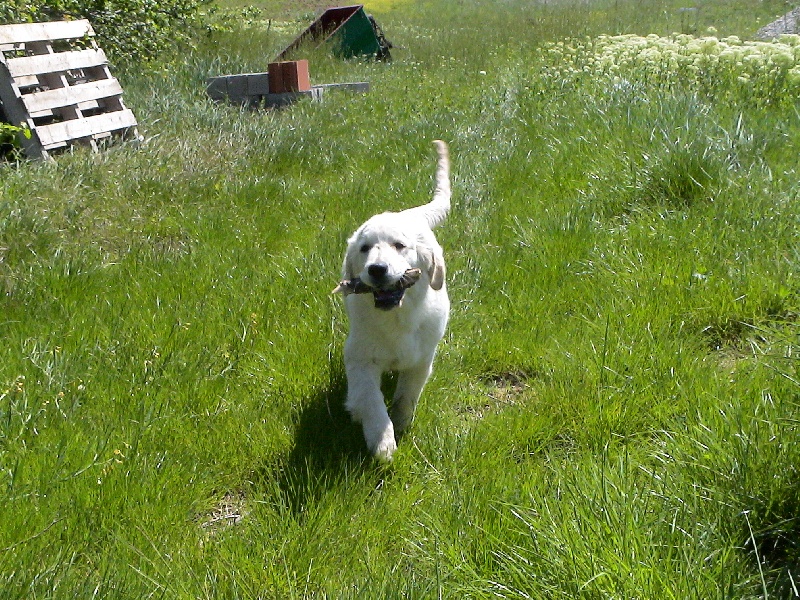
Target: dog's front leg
(409,387)
(365,405)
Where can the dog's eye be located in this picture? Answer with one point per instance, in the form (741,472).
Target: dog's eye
(399,246)
(365,248)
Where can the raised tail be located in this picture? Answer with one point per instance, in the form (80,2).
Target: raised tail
(436,210)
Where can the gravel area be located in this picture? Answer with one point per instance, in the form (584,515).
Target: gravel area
(788,23)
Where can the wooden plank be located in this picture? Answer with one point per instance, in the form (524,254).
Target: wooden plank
(36,32)
(74,94)
(68,112)
(27,81)
(57,133)
(359,87)
(53,63)
(9,96)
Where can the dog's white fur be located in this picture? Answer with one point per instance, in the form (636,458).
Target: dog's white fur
(402,339)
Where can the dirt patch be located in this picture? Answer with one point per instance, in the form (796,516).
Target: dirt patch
(230,510)
(500,391)
(504,387)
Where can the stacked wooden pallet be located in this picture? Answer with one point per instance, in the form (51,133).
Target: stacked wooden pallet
(55,82)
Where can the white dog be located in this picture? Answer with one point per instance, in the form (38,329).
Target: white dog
(397,305)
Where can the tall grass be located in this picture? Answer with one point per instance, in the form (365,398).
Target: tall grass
(614,410)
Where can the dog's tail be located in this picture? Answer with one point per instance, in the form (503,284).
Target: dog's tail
(436,210)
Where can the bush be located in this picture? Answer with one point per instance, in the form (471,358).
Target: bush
(9,139)
(130,31)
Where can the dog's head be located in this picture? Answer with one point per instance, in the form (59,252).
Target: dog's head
(384,248)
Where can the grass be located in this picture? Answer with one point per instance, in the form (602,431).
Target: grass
(614,411)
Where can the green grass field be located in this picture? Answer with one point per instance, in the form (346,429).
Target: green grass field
(614,409)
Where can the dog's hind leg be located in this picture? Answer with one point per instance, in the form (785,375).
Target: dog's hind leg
(409,387)
(365,405)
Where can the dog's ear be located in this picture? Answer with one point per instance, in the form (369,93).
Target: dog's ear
(348,267)
(437,277)
(433,261)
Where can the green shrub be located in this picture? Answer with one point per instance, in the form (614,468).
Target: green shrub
(130,31)
(9,139)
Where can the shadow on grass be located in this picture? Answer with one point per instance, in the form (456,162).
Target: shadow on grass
(328,450)
(776,544)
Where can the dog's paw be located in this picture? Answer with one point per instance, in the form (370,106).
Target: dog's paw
(385,449)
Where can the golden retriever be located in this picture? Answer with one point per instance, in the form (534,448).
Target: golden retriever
(397,306)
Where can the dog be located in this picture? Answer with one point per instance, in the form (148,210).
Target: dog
(397,305)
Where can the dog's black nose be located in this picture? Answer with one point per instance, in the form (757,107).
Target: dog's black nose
(378,270)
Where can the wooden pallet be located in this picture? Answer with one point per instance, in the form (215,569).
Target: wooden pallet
(55,81)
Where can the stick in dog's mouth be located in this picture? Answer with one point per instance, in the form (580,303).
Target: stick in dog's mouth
(385,298)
